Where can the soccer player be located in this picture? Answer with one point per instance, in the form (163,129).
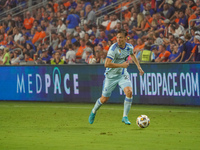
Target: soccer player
(116,73)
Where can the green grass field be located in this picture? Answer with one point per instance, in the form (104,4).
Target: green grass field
(64,126)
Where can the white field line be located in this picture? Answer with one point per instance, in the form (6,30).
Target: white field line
(71,107)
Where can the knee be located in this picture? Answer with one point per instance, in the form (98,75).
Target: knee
(104,99)
(129,93)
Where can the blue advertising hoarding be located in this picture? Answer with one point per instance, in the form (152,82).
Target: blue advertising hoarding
(176,84)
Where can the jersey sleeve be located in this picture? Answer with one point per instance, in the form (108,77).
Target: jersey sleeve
(131,49)
(111,52)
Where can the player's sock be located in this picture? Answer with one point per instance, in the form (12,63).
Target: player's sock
(127,106)
(97,106)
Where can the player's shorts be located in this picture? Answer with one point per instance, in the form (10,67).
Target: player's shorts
(109,84)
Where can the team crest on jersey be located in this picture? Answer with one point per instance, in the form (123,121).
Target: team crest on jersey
(120,51)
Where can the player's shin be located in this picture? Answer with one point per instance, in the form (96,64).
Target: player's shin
(97,106)
(127,105)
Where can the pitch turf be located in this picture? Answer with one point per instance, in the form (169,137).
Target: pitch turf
(64,126)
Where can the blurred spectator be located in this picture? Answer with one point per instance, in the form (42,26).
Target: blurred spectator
(183,19)
(46,45)
(62,40)
(171,40)
(94,40)
(81,49)
(89,54)
(70,55)
(103,36)
(6,57)
(192,4)
(61,28)
(48,27)
(146,55)
(91,17)
(45,57)
(172,30)
(95,31)
(57,60)
(149,9)
(140,25)
(179,5)
(126,13)
(97,56)
(196,50)
(126,27)
(82,19)
(18,22)
(87,37)
(28,21)
(140,45)
(174,53)
(87,29)
(32,33)
(133,21)
(27,57)
(171,10)
(103,55)
(106,20)
(155,51)
(54,40)
(118,27)
(113,22)
(39,36)
(181,41)
(73,20)
(164,55)
(197,23)
(105,45)
(2,40)
(17,34)
(187,48)
(80,32)
(15,59)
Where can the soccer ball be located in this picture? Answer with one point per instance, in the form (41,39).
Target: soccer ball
(143,121)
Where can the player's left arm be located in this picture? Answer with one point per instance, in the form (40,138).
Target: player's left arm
(137,64)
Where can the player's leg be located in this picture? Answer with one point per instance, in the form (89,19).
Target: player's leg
(128,100)
(99,102)
(108,86)
(97,105)
(126,85)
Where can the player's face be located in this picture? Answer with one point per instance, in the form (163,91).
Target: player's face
(121,40)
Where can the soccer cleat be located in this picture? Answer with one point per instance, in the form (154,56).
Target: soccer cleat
(91,117)
(125,120)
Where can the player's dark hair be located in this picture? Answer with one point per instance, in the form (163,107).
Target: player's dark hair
(123,32)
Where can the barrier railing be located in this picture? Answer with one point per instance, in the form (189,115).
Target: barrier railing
(111,6)
(192,21)
(116,11)
(31,9)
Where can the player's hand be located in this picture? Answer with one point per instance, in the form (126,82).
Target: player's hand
(125,64)
(141,71)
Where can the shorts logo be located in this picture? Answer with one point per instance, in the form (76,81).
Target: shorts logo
(126,77)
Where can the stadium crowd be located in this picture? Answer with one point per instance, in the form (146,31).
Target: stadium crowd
(68,32)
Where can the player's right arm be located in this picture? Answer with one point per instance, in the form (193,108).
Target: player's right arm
(109,64)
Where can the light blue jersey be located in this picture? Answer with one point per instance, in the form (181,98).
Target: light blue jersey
(118,56)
